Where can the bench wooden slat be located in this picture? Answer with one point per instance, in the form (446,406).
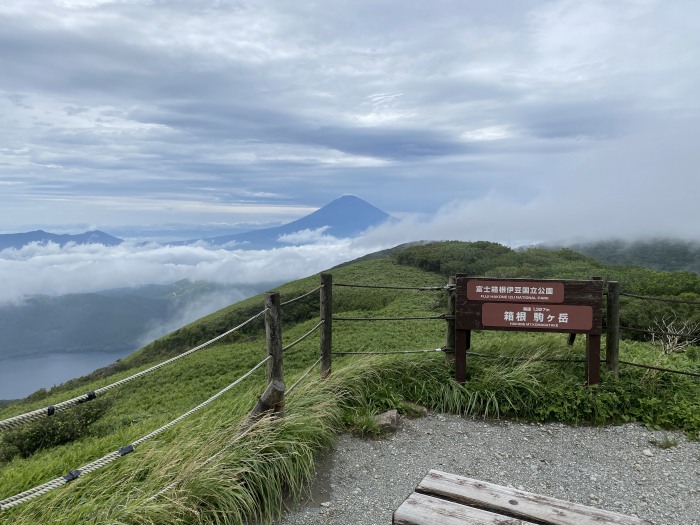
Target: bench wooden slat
(420,509)
(525,505)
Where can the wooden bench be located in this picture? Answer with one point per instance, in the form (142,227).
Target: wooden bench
(448,499)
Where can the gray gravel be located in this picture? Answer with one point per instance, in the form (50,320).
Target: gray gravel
(361,482)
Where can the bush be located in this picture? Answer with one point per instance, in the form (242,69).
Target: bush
(59,429)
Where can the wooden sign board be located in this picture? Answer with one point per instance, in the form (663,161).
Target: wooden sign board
(529,305)
(532,305)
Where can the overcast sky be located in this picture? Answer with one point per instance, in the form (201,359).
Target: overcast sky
(501,120)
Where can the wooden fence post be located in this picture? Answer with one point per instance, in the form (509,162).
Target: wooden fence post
(593,353)
(612,336)
(273,334)
(463,341)
(327,323)
(450,331)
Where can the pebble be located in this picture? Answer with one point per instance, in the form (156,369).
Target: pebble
(361,482)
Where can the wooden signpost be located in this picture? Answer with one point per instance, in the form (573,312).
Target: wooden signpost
(532,305)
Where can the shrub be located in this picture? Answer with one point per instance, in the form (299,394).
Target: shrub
(59,429)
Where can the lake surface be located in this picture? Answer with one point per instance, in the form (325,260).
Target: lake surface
(21,376)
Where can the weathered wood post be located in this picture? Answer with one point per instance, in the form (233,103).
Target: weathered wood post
(593,352)
(326,335)
(463,342)
(274,395)
(273,335)
(450,331)
(612,336)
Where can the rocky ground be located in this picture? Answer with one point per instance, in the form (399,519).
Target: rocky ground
(623,469)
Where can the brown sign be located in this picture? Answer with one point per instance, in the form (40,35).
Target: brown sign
(515,291)
(529,305)
(554,317)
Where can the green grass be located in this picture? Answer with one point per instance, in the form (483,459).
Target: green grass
(276,457)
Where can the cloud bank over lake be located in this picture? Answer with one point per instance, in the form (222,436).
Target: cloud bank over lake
(89,268)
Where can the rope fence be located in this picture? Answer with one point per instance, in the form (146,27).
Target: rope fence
(40,490)
(273,397)
(238,435)
(35,415)
(659,299)
(290,301)
(274,354)
(533,359)
(307,334)
(557,360)
(383,287)
(680,372)
(418,318)
(303,376)
(389,352)
(658,332)
(174,484)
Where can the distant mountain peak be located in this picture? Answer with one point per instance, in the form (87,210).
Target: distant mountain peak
(344,217)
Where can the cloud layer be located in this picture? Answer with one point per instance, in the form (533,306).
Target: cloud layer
(89,268)
(137,112)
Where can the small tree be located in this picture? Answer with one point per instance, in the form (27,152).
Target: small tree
(674,334)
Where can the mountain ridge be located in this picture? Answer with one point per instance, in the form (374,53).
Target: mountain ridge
(20,240)
(344,217)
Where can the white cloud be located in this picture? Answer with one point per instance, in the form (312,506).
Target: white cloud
(190,312)
(54,270)
(307,236)
(633,187)
(488,133)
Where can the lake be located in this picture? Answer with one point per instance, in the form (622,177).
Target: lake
(23,375)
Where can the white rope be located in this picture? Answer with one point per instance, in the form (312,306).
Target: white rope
(174,484)
(301,296)
(307,334)
(301,378)
(201,405)
(40,490)
(230,444)
(35,415)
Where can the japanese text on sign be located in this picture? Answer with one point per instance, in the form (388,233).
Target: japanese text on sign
(535,291)
(547,317)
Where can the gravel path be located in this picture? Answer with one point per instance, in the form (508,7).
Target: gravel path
(616,468)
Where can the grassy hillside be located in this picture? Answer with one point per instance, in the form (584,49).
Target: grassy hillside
(247,480)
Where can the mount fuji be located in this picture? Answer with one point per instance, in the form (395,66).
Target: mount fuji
(346,216)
